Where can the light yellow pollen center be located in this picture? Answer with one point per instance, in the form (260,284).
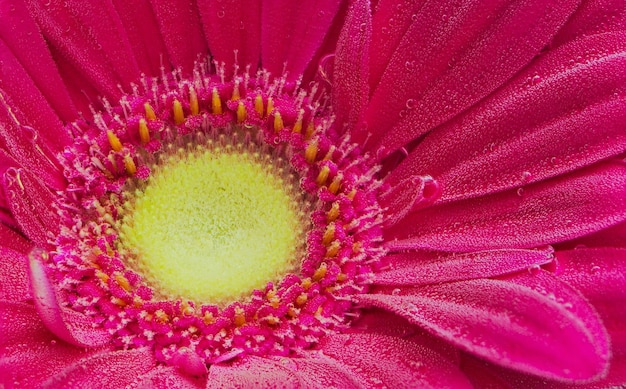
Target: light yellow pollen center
(212,226)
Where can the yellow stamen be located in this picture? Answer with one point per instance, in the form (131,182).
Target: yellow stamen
(187,309)
(292,312)
(278,122)
(114,141)
(329,234)
(150,115)
(122,281)
(341,277)
(194,107)
(179,115)
(333,213)
(306,283)
(242,114)
(273,320)
(270,105)
(297,127)
(301,299)
(323,175)
(216,102)
(333,249)
(161,316)
(208,318)
(118,301)
(352,194)
(273,299)
(335,185)
(356,247)
(129,165)
(240,318)
(320,272)
(310,130)
(311,152)
(258,104)
(144,133)
(102,276)
(236,95)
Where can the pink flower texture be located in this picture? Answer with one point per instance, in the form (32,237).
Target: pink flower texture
(313,194)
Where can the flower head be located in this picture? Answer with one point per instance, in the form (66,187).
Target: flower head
(306,194)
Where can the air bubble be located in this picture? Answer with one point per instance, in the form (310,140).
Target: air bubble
(410,104)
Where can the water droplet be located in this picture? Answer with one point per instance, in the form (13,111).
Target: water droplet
(536,79)
(526,176)
(414,17)
(362,27)
(534,269)
(395,292)
(595,269)
(410,104)
(221,13)
(520,192)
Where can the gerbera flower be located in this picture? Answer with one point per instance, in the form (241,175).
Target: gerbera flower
(312,194)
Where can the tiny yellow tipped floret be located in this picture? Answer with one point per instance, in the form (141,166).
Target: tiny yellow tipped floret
(213,226)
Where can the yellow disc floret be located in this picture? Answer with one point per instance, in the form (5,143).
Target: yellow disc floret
(212,226)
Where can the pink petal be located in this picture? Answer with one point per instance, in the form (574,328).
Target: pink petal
(547,212)
(31,205)
(256,372)
(556,116)
(167,377)
(22,37)
(14,284)
(113,369)
(413,269)
(393,362)
(411,193)
(30,353)
(350,74)
(611,237)
(482,374)
(92,39)
(181,31)
(458,55)
(376,321)
(535,324)
(22,104)
(593,17)
(291,33)
(68,325)
(600,275)
(14,241)
(143,35)
(233,25)
(251,372)
(392,19)
(26,148)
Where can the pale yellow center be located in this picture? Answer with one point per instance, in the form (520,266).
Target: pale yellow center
(212,226)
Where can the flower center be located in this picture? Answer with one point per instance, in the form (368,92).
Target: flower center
(213,225)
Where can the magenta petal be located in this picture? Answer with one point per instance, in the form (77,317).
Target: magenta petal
(257,372)
(393,362)
(556,116)
(291,33)
(21,35)
(407,195)
(21,145)
(411,269)
(457,56)
(391,20)
(250,372)
(22,104)
(233,31)
(68,325)
(14,283)
(113,369)
(350,90)
(31,205)
(91,37)
(30,353)
(547,212)
(181,31)
(14,241)
(610,237)
(167,377)
(593,17)
(189,362)
(598,273)
(143,35)
(535,324)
